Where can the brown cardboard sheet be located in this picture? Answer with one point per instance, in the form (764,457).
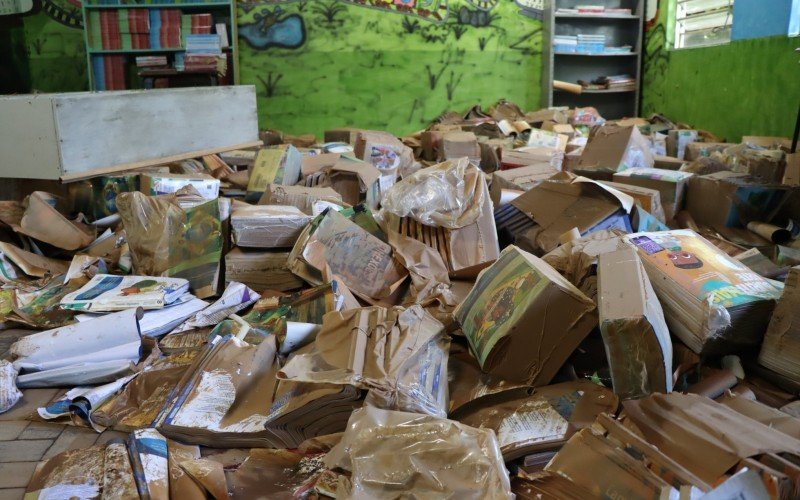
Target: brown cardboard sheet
(521,289)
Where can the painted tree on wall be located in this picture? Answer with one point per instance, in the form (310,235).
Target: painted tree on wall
(387,64)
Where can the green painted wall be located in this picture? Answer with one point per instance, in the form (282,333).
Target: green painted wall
(749,87)
(355,65)
(56,55)
(370,68)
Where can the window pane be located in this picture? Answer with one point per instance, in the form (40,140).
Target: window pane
(705,21)
(710,36)
(694,6)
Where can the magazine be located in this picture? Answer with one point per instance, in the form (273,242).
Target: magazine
(107,292)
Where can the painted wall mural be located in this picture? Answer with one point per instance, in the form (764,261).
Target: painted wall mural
(317,64)
(385,64)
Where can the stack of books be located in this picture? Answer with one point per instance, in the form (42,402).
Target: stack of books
(151,61)
(591,44)
(109,72)
(565,43)
(620,82)
(165,28)
(123,29)
(203,53)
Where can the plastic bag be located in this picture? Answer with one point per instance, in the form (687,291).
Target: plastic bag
(445,195)
(405,455)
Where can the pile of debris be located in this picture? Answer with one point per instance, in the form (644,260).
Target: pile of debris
(538,304)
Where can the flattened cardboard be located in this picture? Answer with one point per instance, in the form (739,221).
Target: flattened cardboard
(704,436)
(315,163)
(43,220)
(298,196)
(523,319)
(599,464)
(352,178)
(635,334)
(781,346)
(649,199)
(261,270)
(613,148)
(737,199)
(523,179)
(558,207)
(33,264)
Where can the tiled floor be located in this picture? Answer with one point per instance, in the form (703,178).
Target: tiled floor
(24,443)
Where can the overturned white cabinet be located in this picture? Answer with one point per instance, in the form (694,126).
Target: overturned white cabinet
(75,135)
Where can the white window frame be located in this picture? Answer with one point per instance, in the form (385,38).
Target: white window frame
(720,16)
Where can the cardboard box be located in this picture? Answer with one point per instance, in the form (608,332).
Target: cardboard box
(522,179)
(274,165)
(767,165)
(792,175)
(311,164)
(557,207)
(261,270)
(298,196)
(154,184)
(523,320)
(677,140)
(735,197)
(649,199)
(540,138)
(768,142)
(613,148)
(460,144)
(266,226)
(695,150)
(671,185)
(354,180)
(530,155)
(635,334)
(667,163)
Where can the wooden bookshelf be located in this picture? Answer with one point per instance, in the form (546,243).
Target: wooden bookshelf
(221,11)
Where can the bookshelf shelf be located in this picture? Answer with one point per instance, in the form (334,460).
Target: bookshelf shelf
(579,54)
(617,30)
(596,16)
(135,51)
(181,6)
(601,91)
(99,59)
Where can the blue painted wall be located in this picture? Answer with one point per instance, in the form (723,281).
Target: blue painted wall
(761,18)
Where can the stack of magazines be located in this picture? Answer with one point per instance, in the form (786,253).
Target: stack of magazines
(712,302)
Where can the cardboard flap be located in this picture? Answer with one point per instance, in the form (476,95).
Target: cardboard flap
(625,200)
(546,202)
(43,221)
(367,173)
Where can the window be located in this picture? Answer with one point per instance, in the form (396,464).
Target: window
(702,22)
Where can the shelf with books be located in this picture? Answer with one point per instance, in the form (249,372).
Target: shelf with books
(188,34)
(182,6)
(582,42)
